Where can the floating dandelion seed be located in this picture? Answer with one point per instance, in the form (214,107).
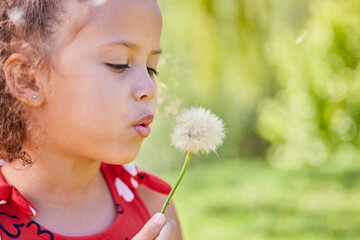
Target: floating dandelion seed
(16,16)
(197,130)
(301,37)
(173,107)
(97,2)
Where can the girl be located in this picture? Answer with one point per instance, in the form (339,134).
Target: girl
(77,95)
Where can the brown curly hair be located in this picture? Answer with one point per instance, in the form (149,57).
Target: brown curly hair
(33,34)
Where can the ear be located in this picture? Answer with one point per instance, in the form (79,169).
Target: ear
(21,81)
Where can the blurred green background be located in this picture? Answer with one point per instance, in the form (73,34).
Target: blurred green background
(284,77)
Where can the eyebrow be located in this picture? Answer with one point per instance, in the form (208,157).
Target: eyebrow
(132,46)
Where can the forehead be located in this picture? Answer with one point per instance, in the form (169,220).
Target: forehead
(112,19)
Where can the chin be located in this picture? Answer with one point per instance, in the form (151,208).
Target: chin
(118,152)
(118,161)
(121,158)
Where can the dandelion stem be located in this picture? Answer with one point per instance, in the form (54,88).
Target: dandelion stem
(183,170)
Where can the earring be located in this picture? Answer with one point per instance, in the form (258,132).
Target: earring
(34,97)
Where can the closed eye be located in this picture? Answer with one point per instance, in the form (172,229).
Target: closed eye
(152,72)
(120,68)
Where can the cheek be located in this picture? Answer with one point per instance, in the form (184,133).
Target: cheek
(89,101)
(101,108)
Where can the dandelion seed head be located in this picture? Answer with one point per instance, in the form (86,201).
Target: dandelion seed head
(97,2)
(198,130)
(16,16)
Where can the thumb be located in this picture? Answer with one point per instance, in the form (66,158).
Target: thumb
(151,228)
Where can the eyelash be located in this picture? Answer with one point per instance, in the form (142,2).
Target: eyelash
(122,67)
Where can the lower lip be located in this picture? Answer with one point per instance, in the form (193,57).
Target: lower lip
(142,131)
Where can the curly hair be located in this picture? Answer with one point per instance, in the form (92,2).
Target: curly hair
(25,25)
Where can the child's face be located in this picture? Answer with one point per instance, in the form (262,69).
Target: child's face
(92,108)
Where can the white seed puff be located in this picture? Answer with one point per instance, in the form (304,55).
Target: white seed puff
(197,130)
(16,16)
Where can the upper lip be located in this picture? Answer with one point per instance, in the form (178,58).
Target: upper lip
(145,120)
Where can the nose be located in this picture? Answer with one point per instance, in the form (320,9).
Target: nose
(145,89)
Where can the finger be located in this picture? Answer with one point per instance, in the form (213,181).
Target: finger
(151,228)
(168,231)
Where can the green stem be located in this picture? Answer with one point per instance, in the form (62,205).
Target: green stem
(183,170)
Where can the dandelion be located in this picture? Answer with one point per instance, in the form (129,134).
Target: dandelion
(16,16)
(197,130)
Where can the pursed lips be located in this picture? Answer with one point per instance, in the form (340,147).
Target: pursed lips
(142,127)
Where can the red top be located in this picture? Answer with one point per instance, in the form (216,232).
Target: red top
(16,211)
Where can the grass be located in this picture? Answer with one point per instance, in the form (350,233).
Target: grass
(238,199)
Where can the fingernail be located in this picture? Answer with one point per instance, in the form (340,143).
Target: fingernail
(159,218)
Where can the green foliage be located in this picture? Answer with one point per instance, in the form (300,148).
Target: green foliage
(283,71)
(314,112)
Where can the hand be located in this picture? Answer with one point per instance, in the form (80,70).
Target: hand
(157,228)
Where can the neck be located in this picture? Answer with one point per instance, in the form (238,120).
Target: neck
(52,178)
